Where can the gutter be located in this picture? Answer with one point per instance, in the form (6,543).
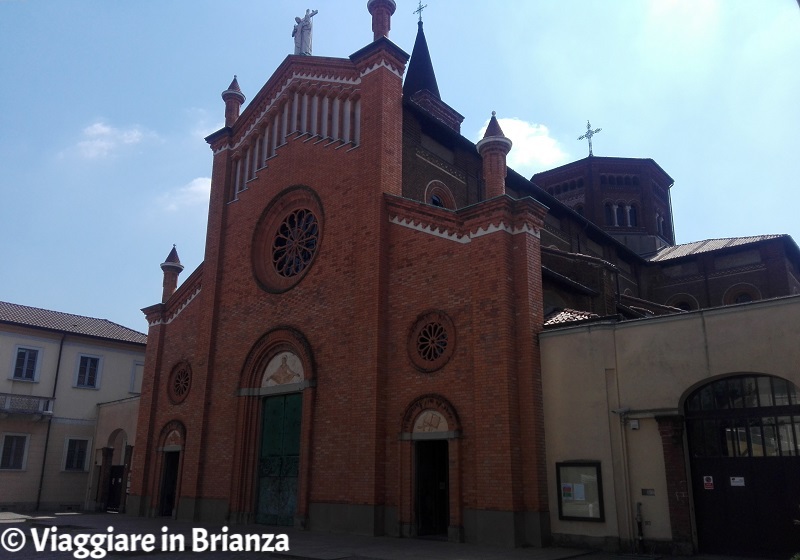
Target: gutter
(49,423)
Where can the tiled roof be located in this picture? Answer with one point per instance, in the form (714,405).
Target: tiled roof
(568,316)
(696,247)
(66,322)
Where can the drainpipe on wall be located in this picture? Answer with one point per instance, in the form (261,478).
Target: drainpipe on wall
(49,423)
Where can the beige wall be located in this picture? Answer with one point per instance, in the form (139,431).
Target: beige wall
(75,412)
(648,366)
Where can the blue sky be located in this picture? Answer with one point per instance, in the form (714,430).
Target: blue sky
(104,107)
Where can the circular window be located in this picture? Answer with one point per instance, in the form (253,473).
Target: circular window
(295,243)
(287,239)
(432,341)
(180,381)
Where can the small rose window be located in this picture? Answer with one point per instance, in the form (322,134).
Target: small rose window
(432,341)
(180,381)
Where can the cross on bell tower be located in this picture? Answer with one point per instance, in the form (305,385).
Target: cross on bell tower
(589,134)
(419,9)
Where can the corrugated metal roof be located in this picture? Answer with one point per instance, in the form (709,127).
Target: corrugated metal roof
(568,316)
(706,245)
(66,322)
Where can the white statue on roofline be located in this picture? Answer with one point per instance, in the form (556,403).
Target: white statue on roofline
(302,33)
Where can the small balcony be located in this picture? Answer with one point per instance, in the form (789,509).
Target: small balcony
(38,408)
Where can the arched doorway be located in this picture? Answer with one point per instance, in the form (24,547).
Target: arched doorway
(274,431)
(115,470)
(429,443)
(171,445)
(279,449)
(744,447)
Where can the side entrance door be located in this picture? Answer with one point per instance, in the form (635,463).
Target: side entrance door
(115,487)
(744,444)
(433,495)
(279,459)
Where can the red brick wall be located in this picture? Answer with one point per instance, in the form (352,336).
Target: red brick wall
(355,306)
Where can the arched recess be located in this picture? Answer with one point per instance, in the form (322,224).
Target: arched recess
(277,376)
(169,466)
(741,293)
(438,194)
(430,469)
(684,301)
(114,471)
(743,434)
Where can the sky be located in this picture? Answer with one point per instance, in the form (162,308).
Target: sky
(104,107)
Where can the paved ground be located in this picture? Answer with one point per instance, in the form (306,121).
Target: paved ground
(61,530)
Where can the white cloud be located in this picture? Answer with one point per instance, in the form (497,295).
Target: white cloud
(533,148)
(194,193)
(203,122)
(100,140)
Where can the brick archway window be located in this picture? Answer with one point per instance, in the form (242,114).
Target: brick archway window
(438,194)
(287,239)
(741,293)
(432,341)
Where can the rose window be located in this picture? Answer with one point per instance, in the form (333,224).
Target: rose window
(287,239)
(295,243)
(432,341)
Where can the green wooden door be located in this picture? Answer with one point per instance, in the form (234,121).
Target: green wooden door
(279,460)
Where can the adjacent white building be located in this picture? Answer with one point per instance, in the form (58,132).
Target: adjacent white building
(56,370)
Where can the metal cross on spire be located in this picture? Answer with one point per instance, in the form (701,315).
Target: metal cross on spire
(589,134)
(419,10)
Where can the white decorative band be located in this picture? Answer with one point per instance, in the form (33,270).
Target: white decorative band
(174,316)
(382,64)
(465,238)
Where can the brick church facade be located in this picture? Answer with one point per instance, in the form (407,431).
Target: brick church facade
(359,350)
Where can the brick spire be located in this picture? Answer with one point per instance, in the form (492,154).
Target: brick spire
(233,98)
(172,267)
(493,149)
(381,11)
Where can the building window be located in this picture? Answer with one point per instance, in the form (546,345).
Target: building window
(740,293)
(580,491)
(439,194)
(76,454)
(88,372)
(609,211)
(633,218)
(620,212)
(13,454)
(25,365)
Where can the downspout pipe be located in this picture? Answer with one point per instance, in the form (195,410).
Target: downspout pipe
(49,423)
